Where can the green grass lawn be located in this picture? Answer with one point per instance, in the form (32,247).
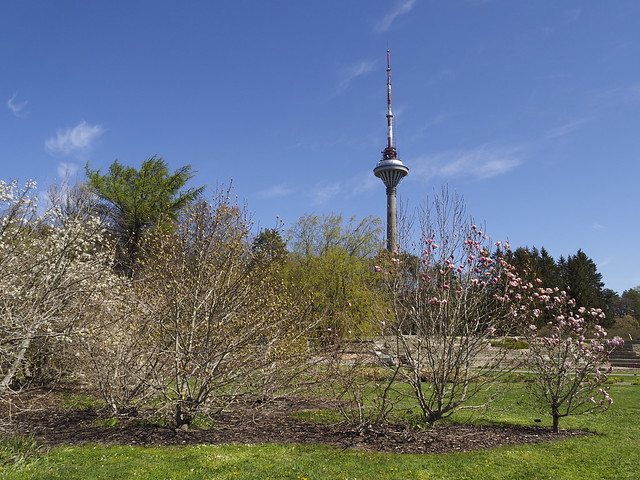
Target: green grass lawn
(613,454)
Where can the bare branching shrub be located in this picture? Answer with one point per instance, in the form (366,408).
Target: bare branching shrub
(221,325)
(118,352)
(363,391)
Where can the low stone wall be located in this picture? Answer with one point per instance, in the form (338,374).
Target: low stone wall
(389,350)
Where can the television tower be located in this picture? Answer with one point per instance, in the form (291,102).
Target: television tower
(391,170)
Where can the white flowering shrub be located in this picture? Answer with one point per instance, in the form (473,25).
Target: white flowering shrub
(52,269)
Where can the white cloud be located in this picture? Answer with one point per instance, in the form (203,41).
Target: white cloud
(573,15)
(16,107)
(401,7)
(277,191)
(365,182)
(325,193)
(66,170)
(606,261)
(354,71)
(598,226)
(480,163)
(72,141)
(567,128)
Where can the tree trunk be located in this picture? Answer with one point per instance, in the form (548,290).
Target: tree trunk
(556,421)
(184,413)
(13,368)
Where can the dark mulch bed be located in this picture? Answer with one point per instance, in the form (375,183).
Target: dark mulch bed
(55,425)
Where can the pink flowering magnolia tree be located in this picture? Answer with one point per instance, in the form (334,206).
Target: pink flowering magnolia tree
(448,302)
(570,359)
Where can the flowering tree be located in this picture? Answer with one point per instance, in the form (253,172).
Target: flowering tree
(54,267)
(448,301)
(569,368)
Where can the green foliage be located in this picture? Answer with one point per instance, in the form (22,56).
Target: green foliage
(584,281)
(316,235)
(629,303)
(18,451)
(332,261)
(577,273)
(510,344)
(626,327)
(269,248)
(136,201)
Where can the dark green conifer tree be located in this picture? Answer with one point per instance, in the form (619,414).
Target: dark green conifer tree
(133,202)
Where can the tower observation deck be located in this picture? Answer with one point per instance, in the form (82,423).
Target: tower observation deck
(390,170)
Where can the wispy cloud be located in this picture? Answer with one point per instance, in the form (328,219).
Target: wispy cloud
(350,73)
(479,163)
(605,261)
(567,128)
(73,141)
(598,226)
(16,107)
(363,182)
(66,170)
(573,15)
(400,8)
(324,193)
(277,191)
(615,96)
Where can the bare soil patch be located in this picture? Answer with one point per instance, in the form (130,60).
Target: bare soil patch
(55,425)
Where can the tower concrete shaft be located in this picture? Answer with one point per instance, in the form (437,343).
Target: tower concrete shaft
(390,170)
(392,220)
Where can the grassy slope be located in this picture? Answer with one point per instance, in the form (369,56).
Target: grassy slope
(614,454)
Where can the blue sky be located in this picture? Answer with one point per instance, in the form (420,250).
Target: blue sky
(528,109)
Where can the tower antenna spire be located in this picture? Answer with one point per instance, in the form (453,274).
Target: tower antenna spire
(389,112)
(390,170)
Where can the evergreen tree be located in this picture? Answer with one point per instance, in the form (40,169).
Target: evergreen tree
(136,201)
(548,270)
(583,280)
(630,301)
(535,264)
(269,247)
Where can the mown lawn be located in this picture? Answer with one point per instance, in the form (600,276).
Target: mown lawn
(613,454)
